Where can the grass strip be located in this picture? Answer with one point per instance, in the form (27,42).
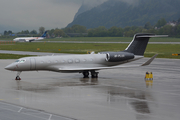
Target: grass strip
(164,50)
(12,56)
(104,39)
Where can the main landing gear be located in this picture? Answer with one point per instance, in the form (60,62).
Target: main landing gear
(93,74)
(17,76)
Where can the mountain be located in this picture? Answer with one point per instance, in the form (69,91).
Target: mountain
(121,13)
(87,5)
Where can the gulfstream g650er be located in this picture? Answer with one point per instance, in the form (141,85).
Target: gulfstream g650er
(88,63)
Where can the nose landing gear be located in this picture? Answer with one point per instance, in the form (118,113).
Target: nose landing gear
(17,76)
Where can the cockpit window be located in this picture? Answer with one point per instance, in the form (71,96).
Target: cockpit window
(20,61)
(17,61)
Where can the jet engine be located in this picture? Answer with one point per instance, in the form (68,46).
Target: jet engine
(118,56)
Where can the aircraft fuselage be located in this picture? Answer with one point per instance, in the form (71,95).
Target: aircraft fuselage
(63,62)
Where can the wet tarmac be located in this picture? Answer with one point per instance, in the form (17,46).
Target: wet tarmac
(14,112)
(118,94)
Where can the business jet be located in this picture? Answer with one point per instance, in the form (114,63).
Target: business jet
(30,39)
(87,63)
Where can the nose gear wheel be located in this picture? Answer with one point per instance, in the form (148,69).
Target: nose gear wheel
(17,76)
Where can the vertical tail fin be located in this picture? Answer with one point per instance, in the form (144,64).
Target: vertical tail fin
(44,35)
(139,43)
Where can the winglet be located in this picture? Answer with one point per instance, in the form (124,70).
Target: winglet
(149,61)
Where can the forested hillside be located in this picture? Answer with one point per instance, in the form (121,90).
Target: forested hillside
(122,14)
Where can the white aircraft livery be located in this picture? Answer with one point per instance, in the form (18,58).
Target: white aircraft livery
(87,63)
(30,39)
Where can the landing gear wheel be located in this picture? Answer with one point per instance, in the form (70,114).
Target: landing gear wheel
(86,74)
(94,74)
(18,74)
(18,78)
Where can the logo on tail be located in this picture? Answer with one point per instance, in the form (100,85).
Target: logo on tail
(44,35)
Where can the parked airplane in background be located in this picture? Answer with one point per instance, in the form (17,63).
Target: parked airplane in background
(30,39)
(88,63)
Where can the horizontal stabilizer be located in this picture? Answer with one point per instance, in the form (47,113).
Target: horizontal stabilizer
(149,61)
(146,36)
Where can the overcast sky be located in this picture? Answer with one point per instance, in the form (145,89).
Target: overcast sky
(17,15)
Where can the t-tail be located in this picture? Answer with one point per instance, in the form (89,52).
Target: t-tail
(44,35)
(139,43)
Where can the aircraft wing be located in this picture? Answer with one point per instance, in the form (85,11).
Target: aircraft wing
(76,69)
(31,40)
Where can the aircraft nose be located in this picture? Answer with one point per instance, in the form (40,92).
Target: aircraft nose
(10,67)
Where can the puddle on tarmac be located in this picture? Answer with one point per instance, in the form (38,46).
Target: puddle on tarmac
(137,99)
(53,85)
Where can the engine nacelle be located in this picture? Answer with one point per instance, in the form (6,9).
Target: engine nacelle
(118,56)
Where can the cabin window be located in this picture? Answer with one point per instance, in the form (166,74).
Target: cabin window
(62,61)
(91,59)
(70,61)
(84,60)
(77,60)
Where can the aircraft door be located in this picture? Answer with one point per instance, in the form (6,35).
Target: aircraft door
(32,64)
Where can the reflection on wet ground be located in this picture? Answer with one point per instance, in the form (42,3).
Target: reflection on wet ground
(116,94)
(135,98)
(27,86)
(149,83)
